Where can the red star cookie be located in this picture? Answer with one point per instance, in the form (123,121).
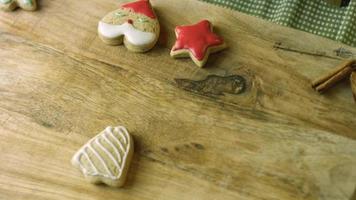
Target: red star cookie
(197,41)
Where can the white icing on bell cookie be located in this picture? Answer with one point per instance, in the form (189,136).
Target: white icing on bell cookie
(132,35)
(106,157)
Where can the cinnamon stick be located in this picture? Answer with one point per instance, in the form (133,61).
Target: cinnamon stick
(353,83)
(331,78)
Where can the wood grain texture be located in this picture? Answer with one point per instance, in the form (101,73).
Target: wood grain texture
(353,83)
(279,139)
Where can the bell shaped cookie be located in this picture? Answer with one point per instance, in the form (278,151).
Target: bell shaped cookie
(9,5)
(134,24)
(106,157)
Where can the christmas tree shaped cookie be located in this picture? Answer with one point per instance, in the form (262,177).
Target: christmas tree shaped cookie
(9,5)
(106,158)
(134,24)
(197,41)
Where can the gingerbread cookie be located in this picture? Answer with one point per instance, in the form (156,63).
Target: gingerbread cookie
(197,41)
(9,5)
(134,24)
(106,158)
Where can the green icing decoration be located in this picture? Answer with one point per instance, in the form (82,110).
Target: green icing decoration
(5,1)
(142,20)
(27,2)
(119,14)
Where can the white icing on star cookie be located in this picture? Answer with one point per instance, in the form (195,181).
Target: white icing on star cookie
(132,35)
(106,157)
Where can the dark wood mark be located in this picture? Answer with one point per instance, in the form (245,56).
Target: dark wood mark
(279,46)
(47,124)
(343,53)
(214,85)
(198,146)
(353,83)
(176,148)
(164,149)
(182,147)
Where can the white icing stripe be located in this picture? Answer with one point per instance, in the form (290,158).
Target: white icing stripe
(100,159)
(117,141)
(113,146)
(119,131)
(90,162)
(107,153)
(132,35)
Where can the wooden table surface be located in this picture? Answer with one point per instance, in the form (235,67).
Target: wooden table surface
(279,139)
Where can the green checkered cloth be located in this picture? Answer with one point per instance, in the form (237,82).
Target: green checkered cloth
(314,16)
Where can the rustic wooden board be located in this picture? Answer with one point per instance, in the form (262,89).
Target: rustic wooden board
(60,85)
(353,83)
